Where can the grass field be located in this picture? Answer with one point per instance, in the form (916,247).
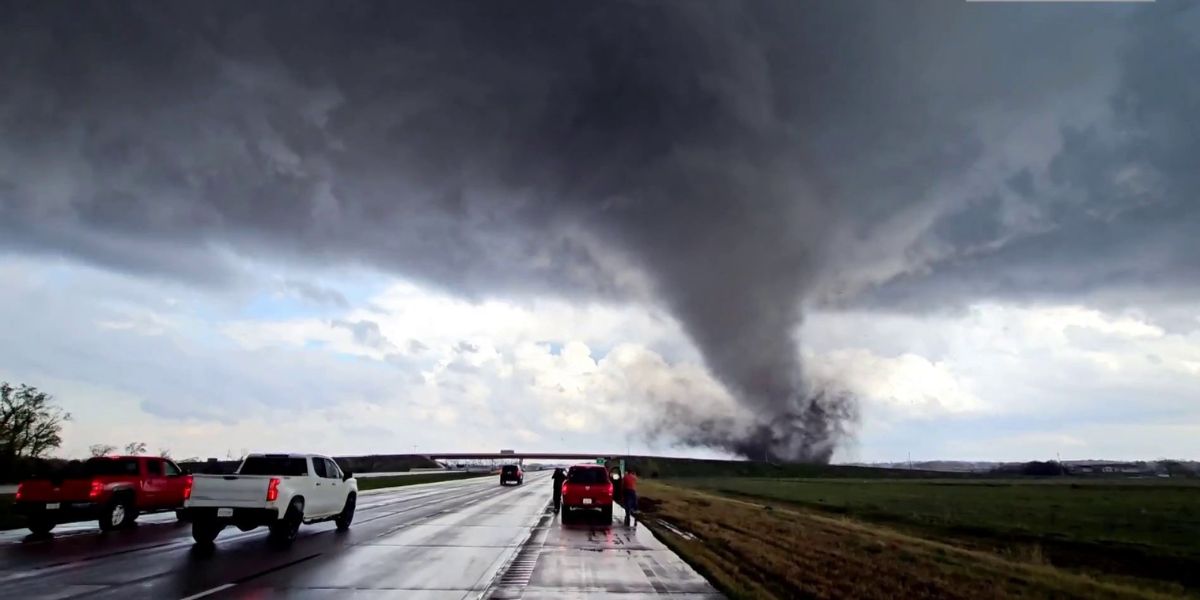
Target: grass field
(1140,533)
(751,551)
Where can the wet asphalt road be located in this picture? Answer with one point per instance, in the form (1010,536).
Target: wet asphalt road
(460,539)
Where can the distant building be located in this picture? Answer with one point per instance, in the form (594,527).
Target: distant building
(1113,468)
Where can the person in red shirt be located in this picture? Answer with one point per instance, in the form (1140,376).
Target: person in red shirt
(629,495)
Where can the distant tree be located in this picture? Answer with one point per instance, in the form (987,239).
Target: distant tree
(101,449)
(1177,468)
(135,448)
(1048,468)
(164,453)
(30,423)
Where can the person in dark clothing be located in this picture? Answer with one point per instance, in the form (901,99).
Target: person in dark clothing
(557,479)
(615,477)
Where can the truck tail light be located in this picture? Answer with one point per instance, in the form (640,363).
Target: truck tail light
(96,489)
(187,488)
(19,486)
(273,490)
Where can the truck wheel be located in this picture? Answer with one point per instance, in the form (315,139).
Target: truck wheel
(607,514)
(343,520)
(205,531)
(283,531)
(182,515)
(119,513)
(41,525)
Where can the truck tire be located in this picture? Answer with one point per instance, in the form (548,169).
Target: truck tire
(40,525)
(205,530)
(343,520)
(606,514)
(283,531)
(182,515)
(119,513)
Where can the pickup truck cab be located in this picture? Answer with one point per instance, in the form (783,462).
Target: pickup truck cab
(111,489)
(280,491)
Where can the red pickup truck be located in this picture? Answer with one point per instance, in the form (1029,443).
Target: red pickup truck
(111,489)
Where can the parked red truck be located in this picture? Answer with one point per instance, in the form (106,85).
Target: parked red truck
(586,489)
(111,489)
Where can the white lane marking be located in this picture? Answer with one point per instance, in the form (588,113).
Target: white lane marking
(219,588)
(439,496)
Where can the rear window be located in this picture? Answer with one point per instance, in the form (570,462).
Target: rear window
(274,465)
(510,468)
(587,476)
(111,467)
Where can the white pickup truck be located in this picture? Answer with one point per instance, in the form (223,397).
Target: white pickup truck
(280,491)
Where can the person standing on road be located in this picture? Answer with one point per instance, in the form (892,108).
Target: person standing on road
(557,479)
(629,495)
(615,477)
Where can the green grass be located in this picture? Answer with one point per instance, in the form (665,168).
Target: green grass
(372,483)
(1136,528)
(751,551)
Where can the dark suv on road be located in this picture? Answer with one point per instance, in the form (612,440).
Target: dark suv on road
(511,473)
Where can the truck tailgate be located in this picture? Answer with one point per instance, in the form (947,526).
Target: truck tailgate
(45,490)
(229,490)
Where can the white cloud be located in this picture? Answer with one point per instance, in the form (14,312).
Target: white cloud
(982,383)
(190,371)
(909,385)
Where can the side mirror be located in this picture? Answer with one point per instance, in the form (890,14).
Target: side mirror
(347,475)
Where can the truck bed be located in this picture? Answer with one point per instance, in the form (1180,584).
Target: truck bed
(230,490)
(64,490)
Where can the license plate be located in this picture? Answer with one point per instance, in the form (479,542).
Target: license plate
(587,500)
(53,506)
(224,512)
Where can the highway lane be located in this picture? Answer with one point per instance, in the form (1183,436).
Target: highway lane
(160,561)
(91,527)
(505,548)
(598,561)
(461,539)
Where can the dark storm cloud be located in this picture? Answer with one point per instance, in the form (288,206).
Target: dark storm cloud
(500,148)
(1117,209)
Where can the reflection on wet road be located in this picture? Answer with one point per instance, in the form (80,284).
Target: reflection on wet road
(460,539)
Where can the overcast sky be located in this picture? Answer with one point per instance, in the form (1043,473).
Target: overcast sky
(857,230)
